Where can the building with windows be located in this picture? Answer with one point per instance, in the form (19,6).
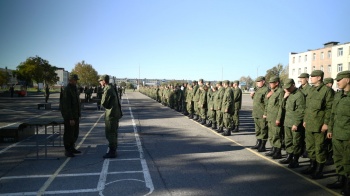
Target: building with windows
(63,77)
(331,59)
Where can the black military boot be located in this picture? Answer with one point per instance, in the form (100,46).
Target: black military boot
(318,173)
(227,132)
(295,162)
(236,129)
(190,116)
(277,154)
(337,184)
(311,168)
(287,160)
(257,145)
(112,153)
(195,117)
(220,130)
(214,126)
(272,152)
(199,119)
(262,147)
(209,124)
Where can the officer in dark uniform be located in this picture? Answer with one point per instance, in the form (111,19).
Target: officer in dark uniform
(70,110)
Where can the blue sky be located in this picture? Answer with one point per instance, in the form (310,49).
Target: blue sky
(168,39)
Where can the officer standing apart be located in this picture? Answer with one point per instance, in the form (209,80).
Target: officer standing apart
(317,115)
(70,110)
(113,113)
(259,101)
(339,131)
(47,93)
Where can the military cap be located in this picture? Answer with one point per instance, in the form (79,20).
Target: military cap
(274,79)
(226,82)
(194,81)
(288,83)
(317,73)
(343,74)
(200,80)
(304,75)
(104,77)
(236,82)
(231,83)
(260,78)
(219,82)
(73,77)
(328,80)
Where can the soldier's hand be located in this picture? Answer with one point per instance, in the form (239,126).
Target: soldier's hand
(286,94)
(71,122)
(324,128)
(294,128)
(304,124)
(264,116)
(269,94)
(278,123)
(329,135)
(252,94)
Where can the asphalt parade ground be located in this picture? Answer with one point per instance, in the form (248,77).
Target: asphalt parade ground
(160,152)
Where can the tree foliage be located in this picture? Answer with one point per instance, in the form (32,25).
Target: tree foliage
(87,74)
(248,80)
(36,69)
(4,77)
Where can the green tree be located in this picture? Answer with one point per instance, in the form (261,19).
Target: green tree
(122,84)
(129,85)
(248,80)
(4,77)
(87,74)
(285,73)
(36,69)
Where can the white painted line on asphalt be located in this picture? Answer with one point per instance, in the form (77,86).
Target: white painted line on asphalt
(50,180)
(147,175)
(103,177)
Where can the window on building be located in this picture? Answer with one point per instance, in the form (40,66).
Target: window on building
(313,68)
(322,55)
(340,51)
(299,71)
(329,54)
(299,59)
(321,67)
(305,58)
(305,69)
(340,67)
(314,56)
(293,59)
(329,68)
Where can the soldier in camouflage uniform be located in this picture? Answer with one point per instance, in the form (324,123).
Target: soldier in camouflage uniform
(211,109)
(259,102)
(339,131)
(71,113)
(274,115)
(113,112)
(217,105)
(328,142)
(189,98)
(195,99)
(294,104)
(202,104)
(317,115)
(237,94)
(227,108)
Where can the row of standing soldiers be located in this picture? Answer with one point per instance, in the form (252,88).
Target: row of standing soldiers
(310,120)
(213,106)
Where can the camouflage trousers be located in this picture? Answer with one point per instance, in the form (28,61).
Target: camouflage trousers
(274,134)
(211,115)
(341,152)
(261,131)
(227,120)
(294,140)
(236,118)
(219,118)
(314,146)
(111,132)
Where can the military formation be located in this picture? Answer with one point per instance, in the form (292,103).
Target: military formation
(311,120)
